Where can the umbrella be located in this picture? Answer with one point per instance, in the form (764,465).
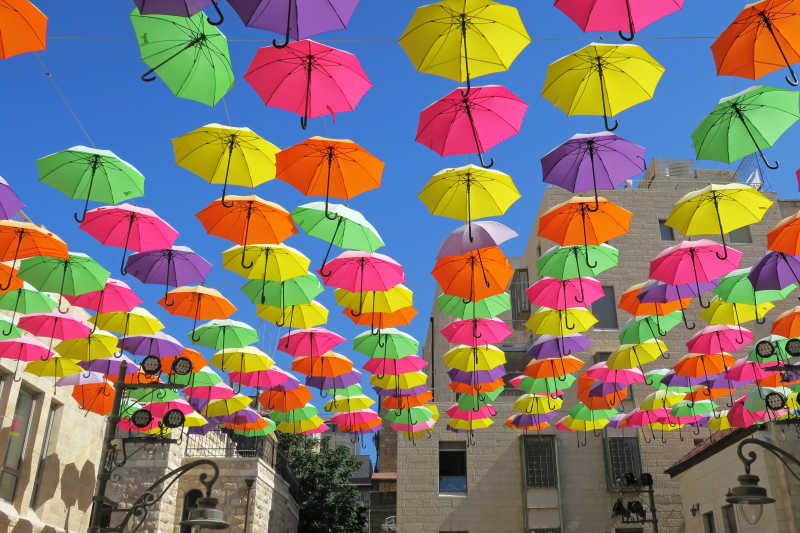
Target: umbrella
(224,333)
(299,316)
(245,359)
(636,355)
(775,271)
(110,367)
(55,366)
(785,236)
(722,312)
(630,301)
(623,376)
(293,291)
(527,422)
(260,379)
(744,49)
(746,122)
(88,174)
(378,321)
(592,161)
(400,365)
(158,344)
(197,302)
(488,307)
(342,381)
(179,8)
(25,300)
(10,204)
(546,385)
(470,121)
(487,233)
(469,192)
(547,368)
(469,358)
(97,345)
(10,273)
(52,325)
(718,208)
(19,240)
(24,28)
(475,275)
(362,271)
(128,227)
(464,39)
(387,301)
(116,295)
(95,397)
(227,406)
(562,294)
(788,323)
(392,343)
(266,262)
(617,15)
(638,330)
(329,365)
(476,331)
(703,365)
(226,155)
(188,53)
(75,275)
(554,322)
(81,379)
(310,341)
(308,78)
(602,79)
(555,346)
(736,287)
(719,338)
(25,349)
(564,262)
(173,267)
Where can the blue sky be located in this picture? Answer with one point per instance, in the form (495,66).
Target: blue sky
(94,59)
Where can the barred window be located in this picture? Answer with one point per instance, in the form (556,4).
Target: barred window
(515,366)
(622,456)
(520,305)
(540,461)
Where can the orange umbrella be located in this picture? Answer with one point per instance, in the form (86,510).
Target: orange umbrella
(629,301)
(463,388)
(95,397)
(23,28)
(135,378)
(328,365)
(702,392)
(251,220)
(553,367)
(585,384)
(19,240)
(379,321)
(202,303)
(775,380)
(337,168)
(7,272)
(788,323)
(785,236)
(251,426)
(197,359)
(276,400)
(703,365)
(474,275)
(579,221)
(406,402)
(364,426)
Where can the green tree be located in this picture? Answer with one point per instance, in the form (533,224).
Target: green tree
(327,504)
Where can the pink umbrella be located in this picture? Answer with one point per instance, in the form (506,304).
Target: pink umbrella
(81,379)
(308,78)
(557,294)
(356,417)
(476,331)
(419,426)
(357,271)
(617,15)
(220,391)
(126,425)
(159,409)
(471,120)
(117,296)
(694,262)
(747,371)
(668,418)
(54,326)
(639,418)
(719,338)
(600,371)
(129,227)
(309,342)
(24,349)
(322,428)
(386,366)
(740,417)
(484,412)
(262,379)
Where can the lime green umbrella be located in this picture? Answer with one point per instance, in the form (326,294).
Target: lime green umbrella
(580,411)
(205,377)
(224,333)
(26,300)
(653,377)
(263,432)
(757,398)
(736,287)
(473,402)
(391,344)
(488,307)
(687,408)
(9,331)
(547,385)
(294,415)
(347,392)
(189,54)
(73,276)
(746,122)
(569,262)
(411,416)
(778,350)
(153,395)
(294,291)
(638,330)
(85,173)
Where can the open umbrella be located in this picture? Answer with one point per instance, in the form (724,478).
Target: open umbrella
(301,316)
(617,15)
(546,346)
(387,301)
(10,204)
(116,295)
(24,28)
(358,271)
(173,267)
(224,333)
(157,344)
(788,323)
(562,294)
(75,275)
(775,271)
(311,341)
(19,240)
(488,307)
(197,302)
(474,275)
(736,287)
(179,8)
(567,262)
(785,236)
(293,291)
(486,233)
(25,300)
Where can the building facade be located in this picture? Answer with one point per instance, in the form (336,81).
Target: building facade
(545,483)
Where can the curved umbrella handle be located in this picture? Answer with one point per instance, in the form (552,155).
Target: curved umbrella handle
(221,16)
(793,81)
(288,29)
(484,164)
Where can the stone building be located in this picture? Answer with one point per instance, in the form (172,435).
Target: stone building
(509,482)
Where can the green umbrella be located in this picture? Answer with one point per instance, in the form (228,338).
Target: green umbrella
(411,416)
(257,432)
(347,392)
(390,344)
(73,276)
(531,385)
(26,300)
(295,415)
(85,173)
(757,398)
(778,350)
(688,408)
(223,333)
(488,307)
(641,329)
(205,377)
(294,291)
(9,331)
(153,395)
(736,287)
(746,122)
(189,54)
(346,228)
(569,262)
(580,411)
(653,377)
(473,402)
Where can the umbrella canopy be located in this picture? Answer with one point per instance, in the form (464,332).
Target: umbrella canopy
(719,338)
(638,330)
(617,15)
(703,365)
(475,275)
(24,349)
(97,345)
(785,236)
(267,262)
(391,343)
(569,262)
(24,28)
(303,316)
(55,366)
(116,295)
(52,325)
(138,321)
(224,333)
(488,307)
(775,271)
(179,8)
(75,275)
(95,397)
(329,365)
(158,344)
(293,291)
(584,221)
(197,302)
(475,332)
(558,322)
(722,312)
(547,346)
(636,355)
(245,359)
(387,301)
(400,365)
(467,358)
(311,341)
(486,233)
(554,367)
(10,204)
(303,18)
(275,400)
(736,287)
(189,54)
(176,266)
(788,323)
(693,262)
(247,220)
(26,300)
(563,294)
(362,271)
(19,240)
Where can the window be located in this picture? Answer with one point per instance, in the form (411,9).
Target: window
(540,461)
(189,503)
(729,519)
(601,356)
(515,365)
(520,305)
(17,442)
(666,232)
(741,235)
(708,522)
(46,446)
(605,309)
(453,467)
(622,456)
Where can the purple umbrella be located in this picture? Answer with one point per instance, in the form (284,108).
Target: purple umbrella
(339,382)
(549,346)
(592,161)
(245,416)
(775,271)
(485,233)
(533,419)
(660,292)
(173,267)
(414,391)
(178,8)
(159,345)
(476,376)
(298,19)
(614,421)
(604,389)
(10,204)
(110,365)
(203,430)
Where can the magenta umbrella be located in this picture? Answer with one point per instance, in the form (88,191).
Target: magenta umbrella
(24,349)
(748,371)
(382,366)
(309,342)
(617,15)
(719,338)
(484,412)
(159,409)
(740,417)
(600,371)
(476,331)
(116,296)
(220,391)
(178,8)
(557,294)
(485,233)
(357,271)
(262,379)
(128,227)
(173,267)
(471,120)
(54,326)
(355,417)
(308,78)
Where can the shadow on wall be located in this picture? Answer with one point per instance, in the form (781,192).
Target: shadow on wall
(77,488)
(23,526)
(51,468)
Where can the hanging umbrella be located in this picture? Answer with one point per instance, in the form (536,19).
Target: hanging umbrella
(225,407)
(487,233)
(785,236)
(387,301)
(267,262)
(555,322)
(469,192)
(137,321)
(173,267)
(474,275)
(301,316)
(617,15)
(10,204)
(475,332)
(98,345)
(775,271)
(178,8)
(50,325)
(746,122)
(25,300)
(464,39)
(189,54)
(378,321)
(636,355)
(638,330)
(95,397)
(624,376)
(19,240)
(311,341)
(488,307)
(361,271)
(55,366)
(294,291)
(245,359)
(602,79)
(553,368)
(469,358)
(537,404)
(593,161)
(116,295)
(546,385)
(110,367)
(719,338)
(75,275)
(566,262)
(392,343)
(224,333)
(703,365)
(24,28)
(788,323)
(308,78)
(562,294)
(88,174)
(335,383)
(197,302)
(736,287)
(555,345)
(405,402)
(81,379)
(400,365)
(722,312)
(260,379)
(329,365)
(468,121)
(528,422)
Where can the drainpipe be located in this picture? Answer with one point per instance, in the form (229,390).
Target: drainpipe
(249,482)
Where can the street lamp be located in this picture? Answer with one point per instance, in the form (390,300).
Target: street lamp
(634,512)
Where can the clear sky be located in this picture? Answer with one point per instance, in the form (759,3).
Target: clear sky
(94,60)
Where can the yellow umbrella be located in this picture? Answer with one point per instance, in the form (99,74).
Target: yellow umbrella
(247,359)
(194,420)
(560,322)
(584,425)
(267,262)
(389,301)
(463,39)
(137,321)
(408,380)
(97,345)
(665,427)
(295,316)
(602,79)
(469,425)
(226,155)
(636,355)
(56,366)
(722,312)
(345,404)
(469,359)
(227,406)
(661,399)
(301,426)
(537,404)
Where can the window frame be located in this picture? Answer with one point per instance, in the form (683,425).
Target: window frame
(709,522)
(520,305)
(50,432)
(553,445)
(607,290)
(662,227)
(728,514)
(458,446)
(30,421)
(611,476)
(741,235)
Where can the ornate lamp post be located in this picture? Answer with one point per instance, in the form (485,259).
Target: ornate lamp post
(634,512)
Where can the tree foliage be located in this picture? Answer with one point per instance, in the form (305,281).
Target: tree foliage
(327,504)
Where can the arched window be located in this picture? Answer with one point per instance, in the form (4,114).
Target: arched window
(189,503)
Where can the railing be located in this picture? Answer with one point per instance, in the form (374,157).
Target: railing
(226,443)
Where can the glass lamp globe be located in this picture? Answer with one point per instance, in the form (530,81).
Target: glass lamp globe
(751,512)
(749,498)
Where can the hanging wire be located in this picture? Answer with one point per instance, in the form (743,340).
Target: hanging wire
(227,111)
(63,97)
